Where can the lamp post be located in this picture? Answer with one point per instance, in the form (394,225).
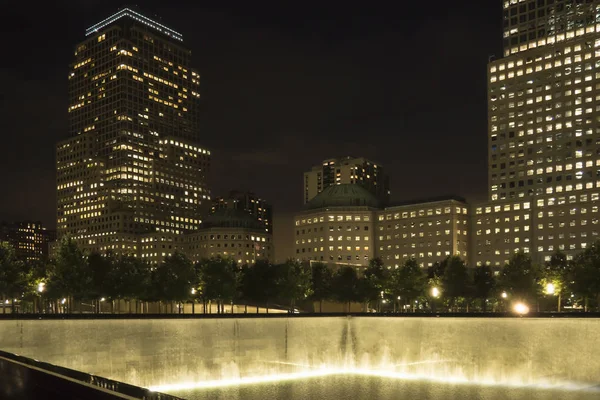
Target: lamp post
(552,290)
(40,289)
(193,301)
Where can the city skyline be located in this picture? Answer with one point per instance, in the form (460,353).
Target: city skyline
(351,129)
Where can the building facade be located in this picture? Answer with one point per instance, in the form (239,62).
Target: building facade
(231,233)
(347,170)
(131,167)
(345,224)
(544,133)
(29,239)
(428,230)
(249,203)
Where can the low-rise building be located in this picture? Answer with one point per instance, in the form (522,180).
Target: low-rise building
(29,239)
(231,233)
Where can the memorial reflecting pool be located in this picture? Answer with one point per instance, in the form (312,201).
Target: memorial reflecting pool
(369,388)
(326,357)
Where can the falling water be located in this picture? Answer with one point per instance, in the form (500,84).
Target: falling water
(174,355)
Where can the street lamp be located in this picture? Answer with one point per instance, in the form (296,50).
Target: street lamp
(552,290)
(504,295)
(41,287)
(521,308)
(435,292)
(193,291)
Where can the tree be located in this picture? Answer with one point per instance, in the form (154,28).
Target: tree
(375,279)
(174,278)
(347,286)
(219,279)
(407,282)
(100,268)
(71,278)
(554,275)
(293,282)
(584,274)
(455,280)
(321,280)
(259,283)
(519,277)
(125,279)
(13,276)
(483,284)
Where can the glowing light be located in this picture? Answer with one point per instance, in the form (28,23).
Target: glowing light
(381,373)
(435,292)
(103,299)
(41,287)
(521,308)
(63,301)
(550,288)
(504,295)
(193,291)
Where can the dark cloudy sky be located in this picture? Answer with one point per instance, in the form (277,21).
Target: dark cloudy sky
(284,86)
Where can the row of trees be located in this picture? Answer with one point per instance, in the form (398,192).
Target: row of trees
(450,285)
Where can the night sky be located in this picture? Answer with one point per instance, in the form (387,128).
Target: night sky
(284,85)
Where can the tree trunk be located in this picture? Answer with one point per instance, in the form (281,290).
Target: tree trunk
(193,307)
(3,304)
(245,308)
(232,307)
(321,306)
(467,307)
(585,304)
(559,301)
(484,304)
(12,306)
(257,310)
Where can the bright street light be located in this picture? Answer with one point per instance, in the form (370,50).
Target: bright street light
(41,287)
(435,292)
(103,299)
(193,291)
(521,308)
(550,288)
(504,295)
(63,301)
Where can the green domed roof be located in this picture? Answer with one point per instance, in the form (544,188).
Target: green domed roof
(347,195)
(231,218)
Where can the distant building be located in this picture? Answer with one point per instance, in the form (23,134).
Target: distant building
(249,203)
(231,233)
(346,224)
(29,239)
(347,170)
(131,169)
(337,226)
(428,230)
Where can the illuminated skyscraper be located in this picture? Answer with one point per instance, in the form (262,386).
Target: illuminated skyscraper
(131,165)
(341,171)
(544,133)
(29,239)
(249,203)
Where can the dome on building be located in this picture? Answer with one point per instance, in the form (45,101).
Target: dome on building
(231,218)
(347,195)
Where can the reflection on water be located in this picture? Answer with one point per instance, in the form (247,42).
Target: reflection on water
(372,388)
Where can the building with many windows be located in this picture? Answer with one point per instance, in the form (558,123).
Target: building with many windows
(544,133)
(131,171)
(29,239)
(340,171)
(249,203)
(346,224)
(428,230)
(230,232)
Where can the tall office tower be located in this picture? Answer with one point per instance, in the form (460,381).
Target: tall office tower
(29,239)
(544,133)
(249,203)
(131,165)
(529,24)
(353,170)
